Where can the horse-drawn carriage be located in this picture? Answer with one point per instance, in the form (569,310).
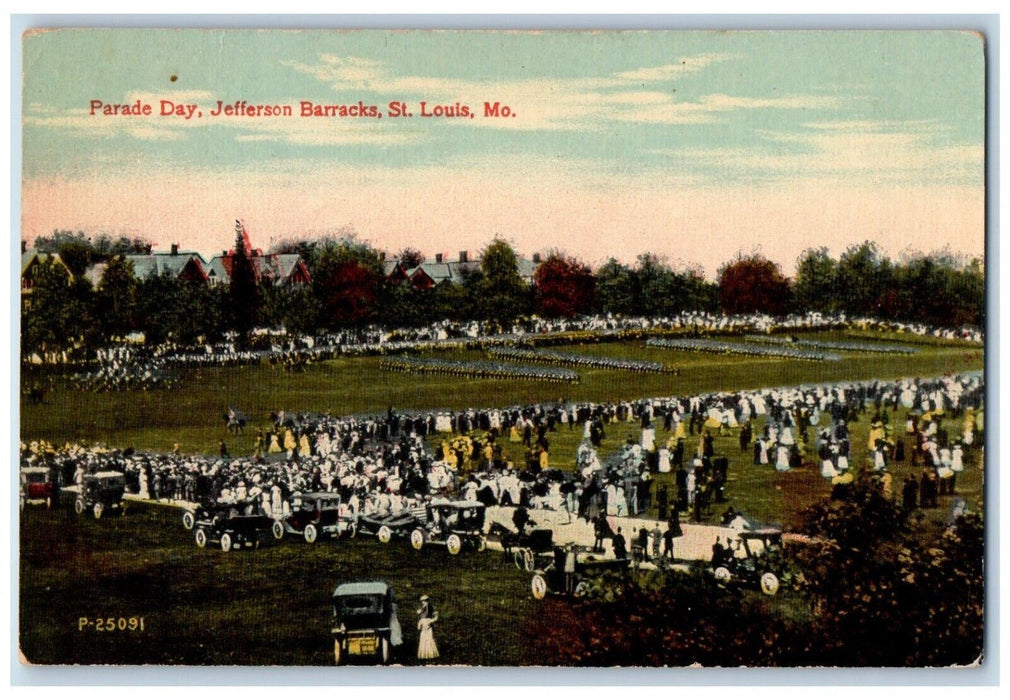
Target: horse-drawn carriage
(587,568)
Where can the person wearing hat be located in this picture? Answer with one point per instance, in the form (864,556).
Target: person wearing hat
(427,650)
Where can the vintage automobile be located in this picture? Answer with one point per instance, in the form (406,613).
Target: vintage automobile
(365,623)
(455,524)
(551,579)
(387,527)
(315,514)
(232,530)
(38,485)
(101,492)
(205,512)
(756,563)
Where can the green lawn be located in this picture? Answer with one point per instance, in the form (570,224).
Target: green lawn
(264,607)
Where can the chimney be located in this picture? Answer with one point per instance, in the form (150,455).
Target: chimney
(464,256)
(224,253)
(439,258)
(175,249)
(536,258)
(24,246)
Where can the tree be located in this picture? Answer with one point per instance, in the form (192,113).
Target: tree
(564,286)
(616,288)
(243,287)
(862,281)
(816,279)
(60,314)
(116,299)
(504,295)
(347,283)
(656,288)
(753,284)
(886,595)
(410,257)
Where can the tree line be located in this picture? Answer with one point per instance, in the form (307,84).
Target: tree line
(349,289)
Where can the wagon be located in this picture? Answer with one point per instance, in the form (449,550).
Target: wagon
(101,492)
(457,525)
(551,579)
(314,515)
(365,623)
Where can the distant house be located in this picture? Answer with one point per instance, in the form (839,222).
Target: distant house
(31,259)
(428,274)
(279,269)
(181,264)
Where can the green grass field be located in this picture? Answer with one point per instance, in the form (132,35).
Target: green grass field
(270,606)
(263,607)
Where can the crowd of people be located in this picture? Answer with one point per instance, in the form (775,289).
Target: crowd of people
(293,353)
(386,464)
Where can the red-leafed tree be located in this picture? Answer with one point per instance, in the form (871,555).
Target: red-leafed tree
(346,283)
(753,284)
(564,286)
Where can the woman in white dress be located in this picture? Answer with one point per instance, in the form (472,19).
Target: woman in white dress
(782,458)
(427,650)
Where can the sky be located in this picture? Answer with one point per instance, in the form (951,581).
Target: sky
(695,146)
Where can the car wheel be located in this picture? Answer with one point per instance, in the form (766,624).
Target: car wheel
(311,533)
(769,583)
(417,539)
(98,510)
(278,529)
(538,586)
(454,544)
(78,506)
(481,544)
(384,651)
(722,574)
(188,521)
(385,534)
(352,530)
(201,538)
(226,542)
(528,560)
(338,656)
(581,589)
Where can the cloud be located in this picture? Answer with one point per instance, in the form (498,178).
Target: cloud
(864,151)
(584,103)
(691,64)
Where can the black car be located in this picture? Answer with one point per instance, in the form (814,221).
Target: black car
(365,623)
(315,514)
(387,527)
(455,524)
(101,492)
(234,531)
(205,512)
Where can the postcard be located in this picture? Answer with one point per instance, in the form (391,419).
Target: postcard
(502,348)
